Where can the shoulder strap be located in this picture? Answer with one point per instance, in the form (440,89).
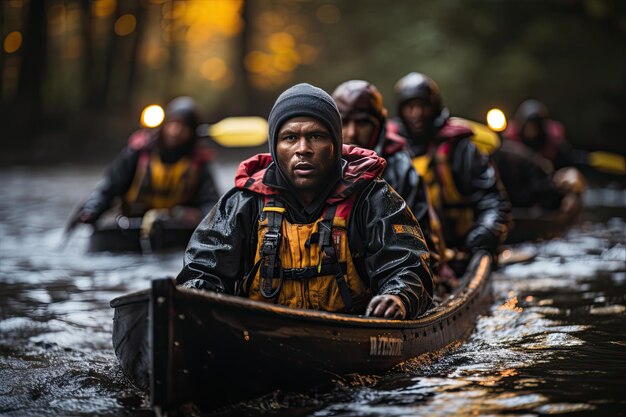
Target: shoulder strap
(329,254)
(270,248)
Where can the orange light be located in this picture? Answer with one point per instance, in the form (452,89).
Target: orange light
(328,14)
(103,8)
(12,42)
(152,116)
(125,25)
(496,120)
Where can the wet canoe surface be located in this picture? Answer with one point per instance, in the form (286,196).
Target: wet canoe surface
(195,338)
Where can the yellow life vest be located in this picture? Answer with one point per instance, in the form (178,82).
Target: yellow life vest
(306,265)
(443,194)
(159,185)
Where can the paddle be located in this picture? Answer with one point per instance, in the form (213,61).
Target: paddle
(231,132)
(485,139)
(237,132)
(607,161)
(70,226)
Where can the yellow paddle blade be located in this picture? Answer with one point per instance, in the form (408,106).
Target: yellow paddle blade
(485,139)
(606,161)
(239,131)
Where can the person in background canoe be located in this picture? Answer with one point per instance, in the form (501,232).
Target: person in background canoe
(165,168)
(364,119)
(530,180)
(312,225)
(533,127)
(462,183)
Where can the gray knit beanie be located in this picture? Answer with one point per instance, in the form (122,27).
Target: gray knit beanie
(305,100)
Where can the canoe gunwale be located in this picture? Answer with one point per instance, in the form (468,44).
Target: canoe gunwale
(479,269)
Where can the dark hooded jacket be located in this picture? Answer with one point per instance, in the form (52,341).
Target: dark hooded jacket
(527,176)
(476,180)
(403,177)
(387,246)
(121,173)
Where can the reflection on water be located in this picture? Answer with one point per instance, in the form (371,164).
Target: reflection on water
(554,343)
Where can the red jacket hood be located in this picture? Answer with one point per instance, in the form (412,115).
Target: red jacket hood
(393,143)
(363,166)
(145,139)
(454,128)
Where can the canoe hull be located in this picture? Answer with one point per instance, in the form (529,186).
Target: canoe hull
(110,237)
(196,338)
(535,223)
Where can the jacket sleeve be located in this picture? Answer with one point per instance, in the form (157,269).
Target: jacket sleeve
(479,182)
(207,194)
(115,183)
(389,248)
(405,180)
(221,250)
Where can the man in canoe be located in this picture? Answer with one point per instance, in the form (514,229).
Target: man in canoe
(530,180)
(312,225)
(533,127)
(462,183)
(164,168)
(364,119)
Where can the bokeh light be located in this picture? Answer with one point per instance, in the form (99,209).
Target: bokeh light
(496,120)
(103,8)
(152,116)
(328,14)
(12,42)
(125,25)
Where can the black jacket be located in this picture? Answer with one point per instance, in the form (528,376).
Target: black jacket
(526,176)
(222,249)
(477,180)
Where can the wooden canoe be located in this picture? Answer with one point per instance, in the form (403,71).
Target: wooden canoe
(212,349)
(536,223)
(124,234)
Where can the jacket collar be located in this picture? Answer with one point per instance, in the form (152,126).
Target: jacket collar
(359,167)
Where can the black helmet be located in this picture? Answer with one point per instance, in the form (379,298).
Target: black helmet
(183,108)
(531,110)
(418,86)
(361,99)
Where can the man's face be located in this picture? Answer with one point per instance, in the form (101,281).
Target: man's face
(304,153)
(417,115)
(358,131)
(175,133)
(531,130)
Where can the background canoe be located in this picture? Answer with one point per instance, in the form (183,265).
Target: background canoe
(125,235)
(536,223)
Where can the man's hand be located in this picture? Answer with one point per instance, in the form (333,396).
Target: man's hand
(387,306)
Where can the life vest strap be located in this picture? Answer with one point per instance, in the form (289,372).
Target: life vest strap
(325,230)
(299,274)
(270,250)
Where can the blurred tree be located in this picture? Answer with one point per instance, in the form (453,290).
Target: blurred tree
(28,104)
(86,68)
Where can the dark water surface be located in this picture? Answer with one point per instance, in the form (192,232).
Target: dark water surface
(553,344)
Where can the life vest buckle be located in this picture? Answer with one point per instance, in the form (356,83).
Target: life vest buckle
(271,241)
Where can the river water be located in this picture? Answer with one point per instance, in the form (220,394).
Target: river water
(554,342)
